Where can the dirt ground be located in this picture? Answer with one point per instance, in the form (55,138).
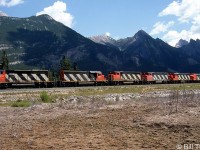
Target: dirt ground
(144,123)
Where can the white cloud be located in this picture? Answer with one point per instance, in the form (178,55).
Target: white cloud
(10,3)
(172,9)
(172,37)
(161,27)
(58,11)
(187,12)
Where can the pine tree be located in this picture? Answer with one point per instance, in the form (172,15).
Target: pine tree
(65,64)
(5,61)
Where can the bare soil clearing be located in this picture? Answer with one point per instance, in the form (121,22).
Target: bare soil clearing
(117,121)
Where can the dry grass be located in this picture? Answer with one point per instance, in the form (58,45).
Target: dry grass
(92,123)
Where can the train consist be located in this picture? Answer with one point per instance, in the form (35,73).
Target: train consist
(42,78)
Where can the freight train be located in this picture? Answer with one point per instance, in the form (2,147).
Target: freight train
(42,78)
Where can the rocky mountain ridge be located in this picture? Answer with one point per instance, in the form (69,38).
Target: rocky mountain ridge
(40,42)
(181,43)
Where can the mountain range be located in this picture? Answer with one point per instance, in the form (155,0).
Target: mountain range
(144,53)
(40,42)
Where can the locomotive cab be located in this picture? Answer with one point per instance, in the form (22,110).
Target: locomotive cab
(193,77)
(115,78)
(3,82)
(99,76)
(2,76)
(173,77)
(147,77)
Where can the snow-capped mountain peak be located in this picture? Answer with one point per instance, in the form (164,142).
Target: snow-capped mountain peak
(103,39)
(2,14)
(120,43)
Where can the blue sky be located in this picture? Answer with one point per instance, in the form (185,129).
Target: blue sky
(169,20)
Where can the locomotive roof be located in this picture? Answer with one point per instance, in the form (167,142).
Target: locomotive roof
(74,71)
(156,72)
(125,71)
(26,70)
(179,73)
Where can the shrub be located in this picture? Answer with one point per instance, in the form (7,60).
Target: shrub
(45,97)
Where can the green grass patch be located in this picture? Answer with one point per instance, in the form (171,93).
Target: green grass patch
(132,89)
(110,90)
(20,103)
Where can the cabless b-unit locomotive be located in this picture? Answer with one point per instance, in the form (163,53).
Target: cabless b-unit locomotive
(41,78)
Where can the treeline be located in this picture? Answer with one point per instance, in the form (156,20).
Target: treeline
(65,63)
(4,61)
